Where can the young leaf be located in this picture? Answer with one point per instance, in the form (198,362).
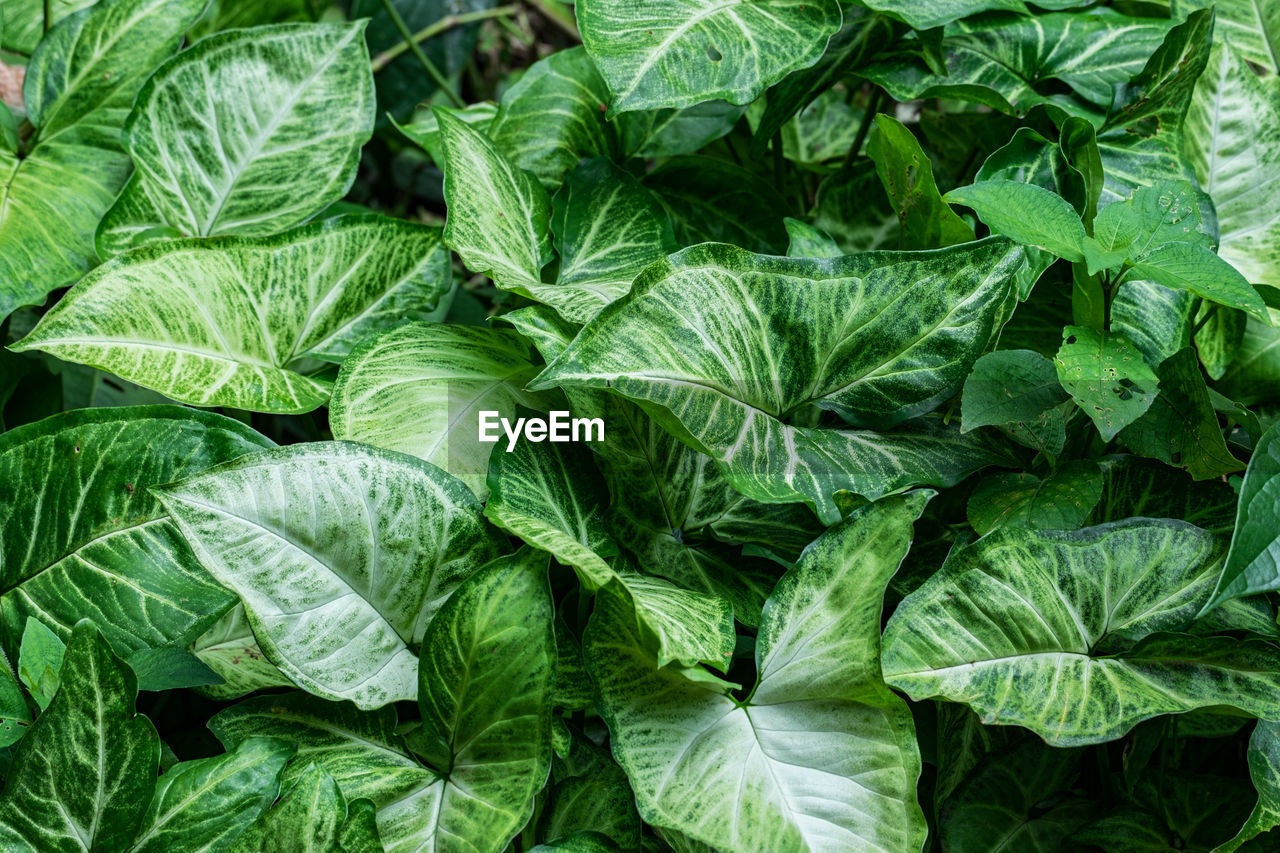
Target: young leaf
(1078,599)
(1026,213)
(1196,269)
(263,159)
(227,322)
(484,689)
(684,52)
(1018,391)
(336,611)
(1231,137)
(782,770)
(84,773)
(805,321)
(207,803)
(80,83)
(607,228)
(40,660)
(1253,564)
(553,117)
(1106,377)
(1062,500)
(498,217)
(907,175)
(420,390)
(81,535)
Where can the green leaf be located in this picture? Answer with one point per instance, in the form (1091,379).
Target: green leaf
(306,818)
(809,242)
(711,201)
(338,594)
(230,321)
(823,131)
(1078,599)
(80,84)
(424,127)
(1231,136)
(359,749)
(1141,487)
(1062,500)
(598,804)
(1017,391)
(671,133)
(1264,770)
(1253,373)
(282,112)
(1218,336)
(765,338)
(1106,377)
(84,773)
(1251,26)
(485,691)
(1027,214)
(15,715)
(688,51)
(40,660)
(230,649)
(550,496)
(1253,564)
(1184,266)
(941,12)
(553,117)
(1115,229)
(81,535)
(785,769)
(904,169)
(579,842)
(1156,319)
(360,832)
(1181,427)
(205,804)
(22,21)
(998,806)
(1005,61)
(607,229)
(420,389)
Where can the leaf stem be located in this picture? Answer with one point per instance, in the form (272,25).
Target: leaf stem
(430,66)
(864,128)
(779,165)
(448,22)
(48,14)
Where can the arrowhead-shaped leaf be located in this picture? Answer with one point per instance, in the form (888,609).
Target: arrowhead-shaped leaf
(786,769)
(420,390)
(341,554)
(81,536)
(80,84)
(306,818)
(1079,599)
(1253,564)
(228,322)
(84,773)
(749,341)
(683,52)
(282,112)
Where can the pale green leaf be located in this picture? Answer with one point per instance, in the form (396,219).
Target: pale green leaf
(788,768)
(84,773)
(940,12)
(22,21)
(498,214)
(424,127)
(1106,377)
(81,536)
(1253,564)
(683,52)
(485,691)
(280,113)
(420,390)
(748,341)
(201,806)
(228,322)
(341,553)
(1156,319)
(598,804)
(1232,138)
(80,83)
(1251,26)
(230,649)
(553,117)
(1027,214)
(809,242)
(1078,600)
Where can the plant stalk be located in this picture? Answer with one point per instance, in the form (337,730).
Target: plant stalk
(448,22)
(48,14)
(432,71)
(562,18)
(864,128)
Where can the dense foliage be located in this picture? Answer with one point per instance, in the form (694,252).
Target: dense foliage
(937,350)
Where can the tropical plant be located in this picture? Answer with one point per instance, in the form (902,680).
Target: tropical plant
(919,371)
